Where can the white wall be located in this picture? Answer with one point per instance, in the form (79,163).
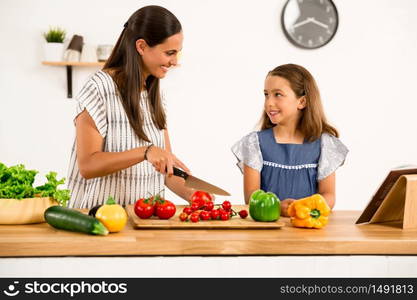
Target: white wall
(366,74)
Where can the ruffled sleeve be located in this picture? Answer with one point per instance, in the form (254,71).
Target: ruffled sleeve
(248,152)
(90,99)
(333,155)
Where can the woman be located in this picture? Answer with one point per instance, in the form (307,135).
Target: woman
(122,145)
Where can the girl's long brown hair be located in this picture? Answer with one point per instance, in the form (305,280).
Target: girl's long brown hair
(313,121)
(154,24)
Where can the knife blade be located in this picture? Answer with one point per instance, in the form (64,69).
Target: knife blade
(198,184)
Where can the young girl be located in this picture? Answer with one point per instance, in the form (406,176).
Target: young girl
(122,146)
(297,152)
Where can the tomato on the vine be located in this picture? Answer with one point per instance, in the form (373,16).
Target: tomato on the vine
(144,208)
(205,215)
(209,206)
(195,206)
(220,210)
(194,218)
(224,215)
(215,214)
(165,209)
(183,217)
(243,213)
(188,210)
(155,203)
(227,205)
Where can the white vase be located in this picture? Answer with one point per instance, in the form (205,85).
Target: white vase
(53,51)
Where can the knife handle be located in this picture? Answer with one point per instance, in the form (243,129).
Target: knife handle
(180,173)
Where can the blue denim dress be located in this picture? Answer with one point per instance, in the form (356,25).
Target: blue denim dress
(290,170)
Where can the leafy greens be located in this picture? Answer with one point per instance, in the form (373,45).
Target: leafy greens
(17,183)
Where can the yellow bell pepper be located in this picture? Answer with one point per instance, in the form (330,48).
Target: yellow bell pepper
(309,212)
(112,215)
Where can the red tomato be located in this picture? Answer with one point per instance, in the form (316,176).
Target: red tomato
(183,217)
(227,205)
(205,215)
(194,218)
(209,206)
(215,214)
(165,209)
(144,208)
(201,198)
(243,213)
(225,215)
(195,206)
(188,210)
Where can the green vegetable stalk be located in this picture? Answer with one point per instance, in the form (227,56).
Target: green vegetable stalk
(264,207)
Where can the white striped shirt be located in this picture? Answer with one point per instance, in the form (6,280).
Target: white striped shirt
(102,101)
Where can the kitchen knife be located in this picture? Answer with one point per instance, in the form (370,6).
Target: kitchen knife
(198,184)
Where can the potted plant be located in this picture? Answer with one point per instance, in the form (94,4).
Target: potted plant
(54,46)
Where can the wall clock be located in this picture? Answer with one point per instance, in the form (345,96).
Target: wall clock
(309,24)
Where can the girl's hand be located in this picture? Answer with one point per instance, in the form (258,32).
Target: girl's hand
(284,206)
(164,161)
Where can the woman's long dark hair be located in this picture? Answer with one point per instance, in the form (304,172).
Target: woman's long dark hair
(154,24)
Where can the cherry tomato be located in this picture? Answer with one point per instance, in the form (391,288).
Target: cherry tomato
(144,208)
(183,217)
(215,214)
(205,215)
(188,210)
(209,206)
(227,205)
(224,216)
(243,213)
(165,209)
(194,206)
(201,198)
(194,218)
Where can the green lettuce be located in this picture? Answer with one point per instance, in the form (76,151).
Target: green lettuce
(17,183)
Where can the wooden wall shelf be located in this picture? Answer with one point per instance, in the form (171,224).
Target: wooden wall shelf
(69,65)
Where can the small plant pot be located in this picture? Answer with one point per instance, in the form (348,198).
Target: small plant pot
(53,51)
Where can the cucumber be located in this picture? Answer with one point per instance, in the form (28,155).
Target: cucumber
(70,219)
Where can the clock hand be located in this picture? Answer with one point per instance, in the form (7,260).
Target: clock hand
(319,23)
(308,20)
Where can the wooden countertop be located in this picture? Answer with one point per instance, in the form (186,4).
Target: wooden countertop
(340,236)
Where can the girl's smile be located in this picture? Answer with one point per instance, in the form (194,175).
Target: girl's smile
(281,103)
(273,113)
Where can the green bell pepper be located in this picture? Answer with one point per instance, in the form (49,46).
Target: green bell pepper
(264,207)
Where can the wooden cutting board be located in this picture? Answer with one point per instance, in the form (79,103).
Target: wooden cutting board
(175,223)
